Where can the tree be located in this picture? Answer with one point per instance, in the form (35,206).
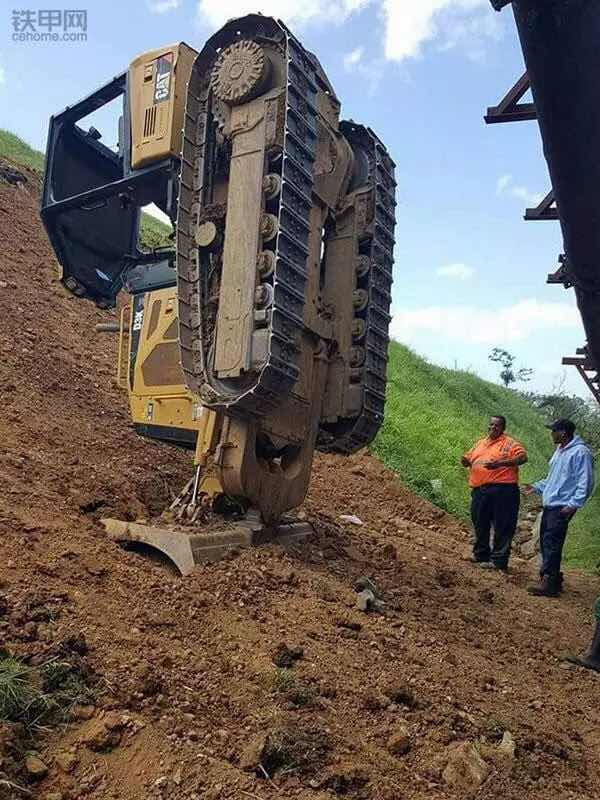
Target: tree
(509,374)
(558,405)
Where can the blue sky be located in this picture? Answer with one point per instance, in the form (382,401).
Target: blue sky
(470,273)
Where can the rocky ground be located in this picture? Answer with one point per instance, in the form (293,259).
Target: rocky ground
(259,676)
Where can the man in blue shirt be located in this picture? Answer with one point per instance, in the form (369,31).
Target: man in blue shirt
(569,483)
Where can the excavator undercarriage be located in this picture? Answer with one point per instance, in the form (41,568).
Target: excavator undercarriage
(261,334)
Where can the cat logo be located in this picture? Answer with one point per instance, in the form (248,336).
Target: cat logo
(162,85)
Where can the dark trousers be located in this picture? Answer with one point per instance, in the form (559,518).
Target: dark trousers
(496,504)
(553,532)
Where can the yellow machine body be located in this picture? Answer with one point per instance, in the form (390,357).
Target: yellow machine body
(160,403)
(157,81)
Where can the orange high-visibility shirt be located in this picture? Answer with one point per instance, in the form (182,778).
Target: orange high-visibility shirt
(499,449)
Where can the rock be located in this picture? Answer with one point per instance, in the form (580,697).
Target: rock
(104,734)
(285,656)
(253,752)
(399,742)
(389,551)
(508,745)
(366,601)
(66,761)
(465,769)
(366,583)
(374,700)
(35,767)
(351,519)
(347,779)
(530,548)
(53,796)
(82,712)
(11,175)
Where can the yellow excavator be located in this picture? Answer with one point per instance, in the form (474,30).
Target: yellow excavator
(261,334)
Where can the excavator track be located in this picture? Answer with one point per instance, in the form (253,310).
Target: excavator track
(378,246)
(256,394)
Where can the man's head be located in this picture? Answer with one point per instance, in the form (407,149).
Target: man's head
(562,431)
(497,426)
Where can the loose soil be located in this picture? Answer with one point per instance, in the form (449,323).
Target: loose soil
(188,700)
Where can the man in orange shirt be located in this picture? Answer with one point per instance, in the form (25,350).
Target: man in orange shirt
(493,465)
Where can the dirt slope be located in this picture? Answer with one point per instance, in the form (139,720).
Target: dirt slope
(188,700)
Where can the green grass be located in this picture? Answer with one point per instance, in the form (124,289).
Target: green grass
(17,690)
(154,233)
(433,415)
(19,152)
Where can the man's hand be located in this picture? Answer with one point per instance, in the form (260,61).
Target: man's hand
(465,462)
(527,489)
(568,511)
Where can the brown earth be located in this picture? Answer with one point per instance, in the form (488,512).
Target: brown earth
(188,703)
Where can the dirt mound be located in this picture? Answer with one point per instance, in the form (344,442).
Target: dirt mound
(183,694)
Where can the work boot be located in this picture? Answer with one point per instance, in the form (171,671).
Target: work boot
(479,562)
(590,660)
(547,587)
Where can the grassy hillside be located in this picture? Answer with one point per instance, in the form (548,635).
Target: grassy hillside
(433,415)
(153,232)
(17,151)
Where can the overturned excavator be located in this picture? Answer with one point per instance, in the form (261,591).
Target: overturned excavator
(560,40)
(261,334)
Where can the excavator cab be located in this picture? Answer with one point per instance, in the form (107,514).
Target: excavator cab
(93,195)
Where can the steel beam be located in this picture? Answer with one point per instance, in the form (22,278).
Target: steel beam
(546,210)
(509,109)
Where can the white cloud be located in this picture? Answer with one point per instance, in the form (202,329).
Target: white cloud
(461,272)
(506,185)
(162,6)
(217,12)
(2,75)
(408,24)
(371,70)
(484,325)
(353,58)
(452,23)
